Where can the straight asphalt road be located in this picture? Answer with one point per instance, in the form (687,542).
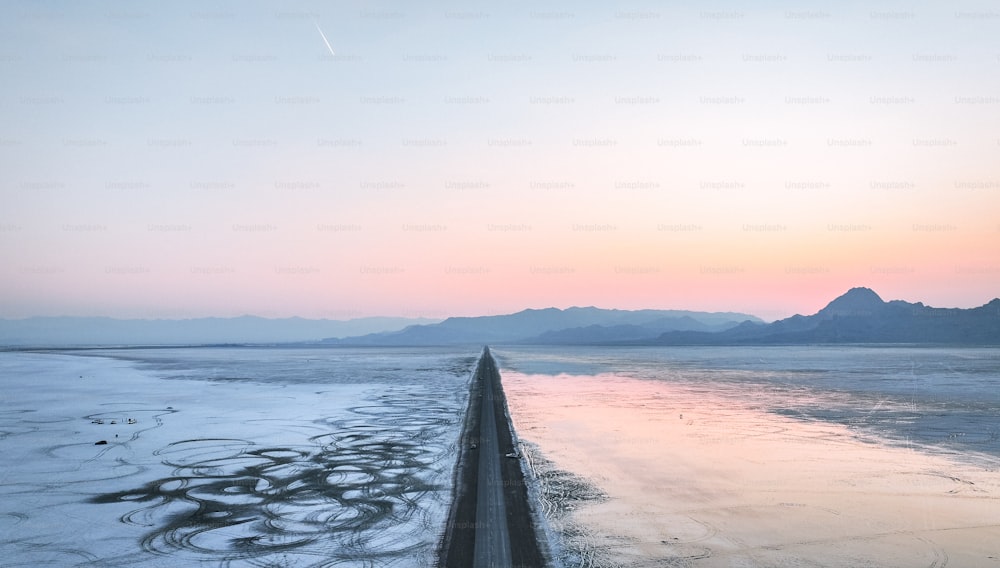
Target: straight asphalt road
(492,547)
(490,523)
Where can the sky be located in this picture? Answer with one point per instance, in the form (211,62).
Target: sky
(347,159)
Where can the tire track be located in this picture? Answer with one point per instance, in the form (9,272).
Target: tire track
(355,493)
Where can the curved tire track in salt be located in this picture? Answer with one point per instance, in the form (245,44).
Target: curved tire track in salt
(329,502)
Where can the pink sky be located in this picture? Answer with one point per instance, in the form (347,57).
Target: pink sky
(756,161)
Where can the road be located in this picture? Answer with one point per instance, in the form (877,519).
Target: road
(492,547)
(490,523)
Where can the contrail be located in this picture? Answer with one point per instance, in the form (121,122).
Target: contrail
(322,35)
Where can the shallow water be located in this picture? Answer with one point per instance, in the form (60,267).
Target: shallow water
(947,398)
(229,457)
(805,456)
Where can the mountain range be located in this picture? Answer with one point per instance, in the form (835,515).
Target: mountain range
(860,316)
(553,326)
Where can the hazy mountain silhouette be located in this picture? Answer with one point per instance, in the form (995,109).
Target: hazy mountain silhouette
(858,316)
(861,316)
(602,334)
(554,326)
(63,331)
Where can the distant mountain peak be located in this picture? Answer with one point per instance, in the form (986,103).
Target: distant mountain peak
(861,316)
(855,302)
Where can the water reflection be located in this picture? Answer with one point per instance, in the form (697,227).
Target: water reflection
(722,467)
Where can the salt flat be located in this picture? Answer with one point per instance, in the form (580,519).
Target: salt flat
(228,457)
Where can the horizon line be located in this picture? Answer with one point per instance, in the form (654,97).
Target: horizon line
(439,318)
